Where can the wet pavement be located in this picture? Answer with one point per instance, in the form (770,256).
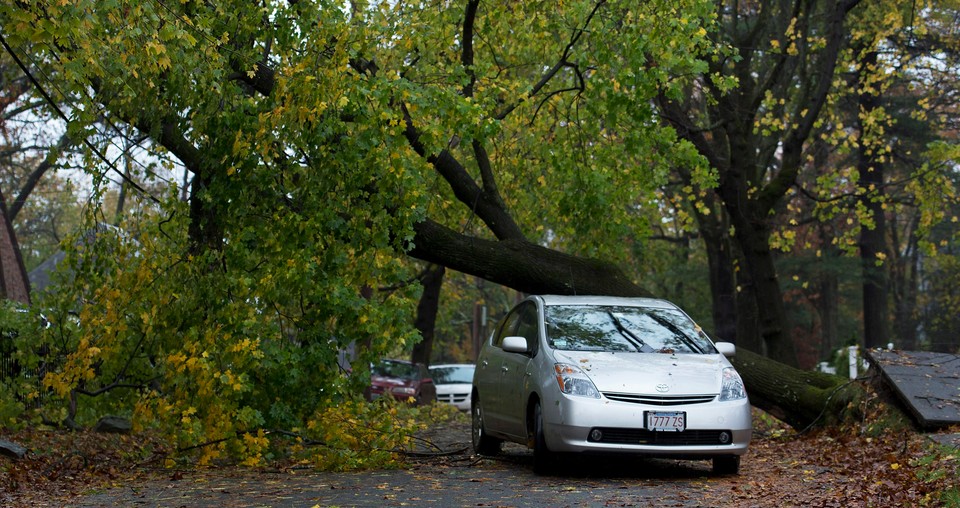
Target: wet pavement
(452,478)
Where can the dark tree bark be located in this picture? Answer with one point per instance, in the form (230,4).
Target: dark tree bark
(723,287)
(427,309)
(904,279)
(520,264)
(800,398)
(827,308)
(721,260)
(873,244)
(14,284)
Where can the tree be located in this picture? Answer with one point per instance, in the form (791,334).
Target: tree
(894,150)
(327,144)
(755,135)
(273,114)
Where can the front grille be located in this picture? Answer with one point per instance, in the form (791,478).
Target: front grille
(659,400)
(452,398)
(647,437)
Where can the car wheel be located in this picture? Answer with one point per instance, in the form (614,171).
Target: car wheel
(726,465)
(544,461)
(483,444)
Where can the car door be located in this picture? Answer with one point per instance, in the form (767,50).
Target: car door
(515,372)
(487,377)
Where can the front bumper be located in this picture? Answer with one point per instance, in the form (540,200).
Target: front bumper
(712,428)
(460,400)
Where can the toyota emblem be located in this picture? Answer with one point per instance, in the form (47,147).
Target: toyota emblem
(663,388)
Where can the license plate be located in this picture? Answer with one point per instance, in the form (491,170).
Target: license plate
(664,421)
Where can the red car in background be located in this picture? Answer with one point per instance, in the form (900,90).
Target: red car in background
(402,380)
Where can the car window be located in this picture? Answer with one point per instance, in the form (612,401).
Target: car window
(612,328)
(452,375)
(527,326)
(395,369)
(508,327)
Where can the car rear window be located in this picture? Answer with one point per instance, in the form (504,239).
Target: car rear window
(630,329)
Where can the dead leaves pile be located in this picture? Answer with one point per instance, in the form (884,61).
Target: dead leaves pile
(844,468)
(61,464)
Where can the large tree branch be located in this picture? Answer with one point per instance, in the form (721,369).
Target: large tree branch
(519,264)
(487,206)
(466,56)
(807,110)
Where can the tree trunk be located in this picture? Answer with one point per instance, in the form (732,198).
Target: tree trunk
(797,397)
(713,229)
(772,317)
(904,278)
(14,284)
(427,308)
(872,238)
(827,308)
(723,287)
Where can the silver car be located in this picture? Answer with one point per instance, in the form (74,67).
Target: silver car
(608,375)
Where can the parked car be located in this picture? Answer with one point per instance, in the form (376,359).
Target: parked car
(608,375)
(403,380)
(453,381)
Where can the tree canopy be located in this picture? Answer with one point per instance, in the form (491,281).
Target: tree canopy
(326,143)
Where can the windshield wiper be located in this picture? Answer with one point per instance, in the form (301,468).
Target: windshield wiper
(629,335)
(677,332)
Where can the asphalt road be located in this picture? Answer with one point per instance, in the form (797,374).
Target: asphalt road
(453,478)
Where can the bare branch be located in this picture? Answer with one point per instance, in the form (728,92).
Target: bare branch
(466,57)
(561,63)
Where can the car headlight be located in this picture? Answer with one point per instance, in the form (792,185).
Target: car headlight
(732,387)
(405,390)
(573,381)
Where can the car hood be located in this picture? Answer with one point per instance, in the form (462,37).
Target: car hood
(391,382)
(454,388)
(649,373)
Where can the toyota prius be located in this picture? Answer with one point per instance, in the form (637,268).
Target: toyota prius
(589,374)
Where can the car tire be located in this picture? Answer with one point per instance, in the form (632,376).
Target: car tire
(726,465)
(483,444)
(544,461)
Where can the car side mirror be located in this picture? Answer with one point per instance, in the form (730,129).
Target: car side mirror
(515,344)
(726,349)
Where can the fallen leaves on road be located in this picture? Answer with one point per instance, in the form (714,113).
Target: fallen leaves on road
(838,467)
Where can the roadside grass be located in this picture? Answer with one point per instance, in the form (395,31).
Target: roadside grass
(941,467)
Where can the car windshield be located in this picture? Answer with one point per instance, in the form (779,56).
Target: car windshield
(613,328)
(395,369)
(452,375)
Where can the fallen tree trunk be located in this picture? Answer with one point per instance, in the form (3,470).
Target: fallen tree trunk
(799,398)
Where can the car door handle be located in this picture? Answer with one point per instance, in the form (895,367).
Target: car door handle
(505,368)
